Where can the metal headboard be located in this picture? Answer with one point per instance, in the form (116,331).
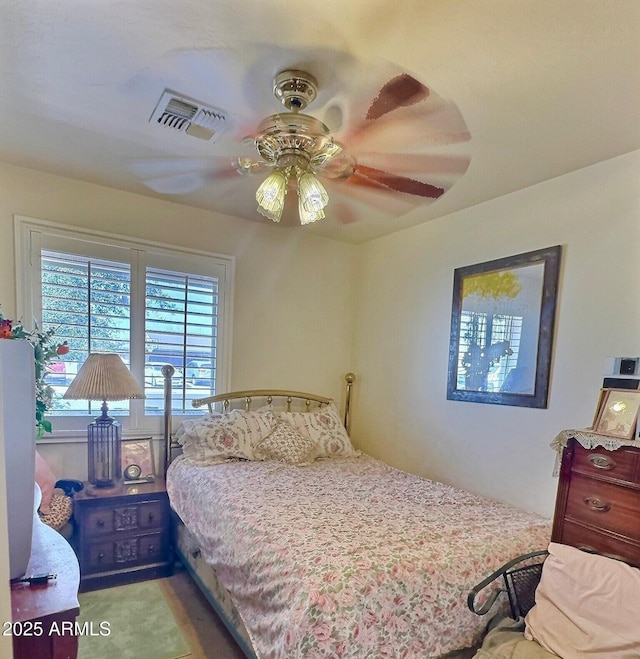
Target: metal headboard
(246,399)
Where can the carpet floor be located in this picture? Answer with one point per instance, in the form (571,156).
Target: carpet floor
(160,619)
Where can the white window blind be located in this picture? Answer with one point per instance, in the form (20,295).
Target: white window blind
(151,304)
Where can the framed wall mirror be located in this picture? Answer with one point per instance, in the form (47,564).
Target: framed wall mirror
(502,325)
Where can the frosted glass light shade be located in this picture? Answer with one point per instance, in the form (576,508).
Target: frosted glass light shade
(312,193)
(307,217)
(271,194)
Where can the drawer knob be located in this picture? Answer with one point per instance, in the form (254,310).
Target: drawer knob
(588,548)
(151,549)
(597,504)
(100,556)
(100,523)
(151,517)
(600,461)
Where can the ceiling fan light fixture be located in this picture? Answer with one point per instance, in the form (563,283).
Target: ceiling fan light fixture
(271,194)
(313,195)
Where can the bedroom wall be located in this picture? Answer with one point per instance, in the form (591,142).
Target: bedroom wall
(402,328)
(293,303)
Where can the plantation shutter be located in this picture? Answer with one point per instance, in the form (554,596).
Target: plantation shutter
(181,329)
(86,302)
(152,304)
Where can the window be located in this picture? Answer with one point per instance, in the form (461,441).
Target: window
(151,304)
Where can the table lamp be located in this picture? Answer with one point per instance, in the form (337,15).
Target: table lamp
(104,377)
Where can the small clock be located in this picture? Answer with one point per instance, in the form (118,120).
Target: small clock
(132,472)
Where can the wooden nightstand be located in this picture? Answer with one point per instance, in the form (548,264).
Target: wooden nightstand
(122,534)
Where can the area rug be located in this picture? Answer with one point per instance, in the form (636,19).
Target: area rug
(129,622)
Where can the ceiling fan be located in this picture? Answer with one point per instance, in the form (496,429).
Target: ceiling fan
(400,149)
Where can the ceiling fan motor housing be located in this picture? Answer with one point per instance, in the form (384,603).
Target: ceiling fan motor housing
(295,89)
(290,132)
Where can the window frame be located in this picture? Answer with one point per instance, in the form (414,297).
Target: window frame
(32,235)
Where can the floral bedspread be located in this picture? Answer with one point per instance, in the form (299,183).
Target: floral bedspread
(348,557)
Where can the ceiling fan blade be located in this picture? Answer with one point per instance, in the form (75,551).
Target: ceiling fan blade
(401,91)
(414,128)
(400,163)
(177,183)
(182,176)
(162,167)
(377,178)
(361,198)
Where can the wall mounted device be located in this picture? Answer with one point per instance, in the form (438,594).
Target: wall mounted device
(621,373)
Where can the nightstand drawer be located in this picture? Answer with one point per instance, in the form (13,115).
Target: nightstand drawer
(125,552)
(143,516)
(153,515)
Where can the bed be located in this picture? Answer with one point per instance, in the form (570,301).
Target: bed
(329,552)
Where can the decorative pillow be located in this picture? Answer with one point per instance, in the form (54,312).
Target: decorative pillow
(46,482)
(585,606)
(59,512)
(324,427)
(286,444)
(218,437)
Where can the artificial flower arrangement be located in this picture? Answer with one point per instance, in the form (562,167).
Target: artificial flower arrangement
(45,350)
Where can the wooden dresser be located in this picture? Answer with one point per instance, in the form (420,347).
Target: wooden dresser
(598,501)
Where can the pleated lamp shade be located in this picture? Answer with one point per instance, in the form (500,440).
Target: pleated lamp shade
(104,377)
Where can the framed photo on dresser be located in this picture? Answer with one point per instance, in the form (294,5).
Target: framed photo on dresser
(138,465)
(618,413)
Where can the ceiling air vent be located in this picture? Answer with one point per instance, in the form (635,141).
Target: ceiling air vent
(188,116)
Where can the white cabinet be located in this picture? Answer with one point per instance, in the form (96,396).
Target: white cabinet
(17,442)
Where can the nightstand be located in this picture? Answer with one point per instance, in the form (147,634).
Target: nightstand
(122,534)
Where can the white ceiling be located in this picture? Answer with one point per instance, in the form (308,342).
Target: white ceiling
(545,87)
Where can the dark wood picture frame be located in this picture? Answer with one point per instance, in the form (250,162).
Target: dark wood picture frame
(468,372)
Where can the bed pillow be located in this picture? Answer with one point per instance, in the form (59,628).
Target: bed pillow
(186,426)
(585,606)
(324,427)
(218,437)
(286,444)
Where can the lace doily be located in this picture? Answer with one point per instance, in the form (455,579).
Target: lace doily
(588,439)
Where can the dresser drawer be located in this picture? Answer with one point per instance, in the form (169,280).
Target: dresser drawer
(587,538)
(604,505)
(124,552)
(621,464)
